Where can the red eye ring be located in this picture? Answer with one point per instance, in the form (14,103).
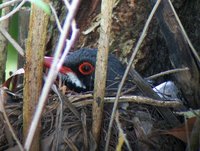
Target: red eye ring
(86,68)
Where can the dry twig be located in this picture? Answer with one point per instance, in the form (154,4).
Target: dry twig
(101,67)
(12,41)
(176,103)
(13,11)
(121,132)
(8,3)
(168,72)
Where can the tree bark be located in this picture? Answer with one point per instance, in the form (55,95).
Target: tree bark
(35,49)
(101,68)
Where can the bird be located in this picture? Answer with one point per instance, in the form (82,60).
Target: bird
(78,73)
(78,70)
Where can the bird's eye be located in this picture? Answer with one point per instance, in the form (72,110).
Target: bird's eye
(86,68)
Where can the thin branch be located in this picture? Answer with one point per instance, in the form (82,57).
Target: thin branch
(167,72)
(67,102)
(172,103)
(85,132)
(13,11)
(67,4)
(52,72)
(122,132)
(60,118)
(185,34)
(12,41)
(74,29)
(101,67)
(127,70)
(56,18)
(70,43)
(8,3)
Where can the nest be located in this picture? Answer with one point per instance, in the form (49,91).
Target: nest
(64,129)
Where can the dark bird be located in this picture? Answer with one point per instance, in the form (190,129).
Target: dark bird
(78,70)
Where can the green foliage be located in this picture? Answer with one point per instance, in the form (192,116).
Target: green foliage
(44,6)
(11,64)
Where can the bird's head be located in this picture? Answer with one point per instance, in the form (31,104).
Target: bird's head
(78,70)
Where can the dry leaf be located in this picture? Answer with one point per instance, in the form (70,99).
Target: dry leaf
(182,131)
(14,76)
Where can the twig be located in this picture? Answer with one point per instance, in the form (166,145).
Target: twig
(70,143)
(56,18)
(75,31)
(53,71)
(66,3)
(58,125)
(185,34)
(122,132)
(70,43)
(101,67)
(67,102)
(84,126)
(149,101)
(167,72)
(174,103)
(59,115)
(8,3)
(12,41)
(13,11)
(127,70)
(7,120)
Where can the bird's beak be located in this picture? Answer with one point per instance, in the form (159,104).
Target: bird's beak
(71,76)
(48,62)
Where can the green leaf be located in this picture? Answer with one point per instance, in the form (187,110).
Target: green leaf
(44,6)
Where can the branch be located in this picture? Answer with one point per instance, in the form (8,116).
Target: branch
(168,72)
(13,11)
(12,41)
(173,103)
(121,134)
(56,17)
(35,49)
(101,67)
(8,3)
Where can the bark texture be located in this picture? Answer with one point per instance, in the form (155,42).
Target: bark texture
(34,69)
(101,67)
